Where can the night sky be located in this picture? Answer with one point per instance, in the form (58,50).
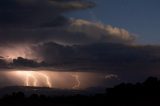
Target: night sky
(88,43)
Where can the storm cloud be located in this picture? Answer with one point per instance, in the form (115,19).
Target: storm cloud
(101,56)
(36,34)
(97,57)
(28,13)
(38,21)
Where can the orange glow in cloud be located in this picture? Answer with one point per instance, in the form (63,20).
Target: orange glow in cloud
(15,51)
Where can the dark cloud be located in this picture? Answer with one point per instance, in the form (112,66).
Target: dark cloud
(80,44)
(102,57)
(23,13)
(126,61)
(21,62)
(1,57)
(3,64)
(73,31)
(38,21)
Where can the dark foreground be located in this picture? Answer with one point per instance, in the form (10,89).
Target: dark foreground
(140,94)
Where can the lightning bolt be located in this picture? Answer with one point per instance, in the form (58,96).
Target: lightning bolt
(27,80)
(35,80)
(33,75)
(47,79)
(77,85)
(30,75)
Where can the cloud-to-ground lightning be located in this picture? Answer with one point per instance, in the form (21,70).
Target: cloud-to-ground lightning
(32,76)
(29,75)
(27,81)
(46,78)
(77,85)
(56,79)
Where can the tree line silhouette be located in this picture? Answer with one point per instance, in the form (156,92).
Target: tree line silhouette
(125,94)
